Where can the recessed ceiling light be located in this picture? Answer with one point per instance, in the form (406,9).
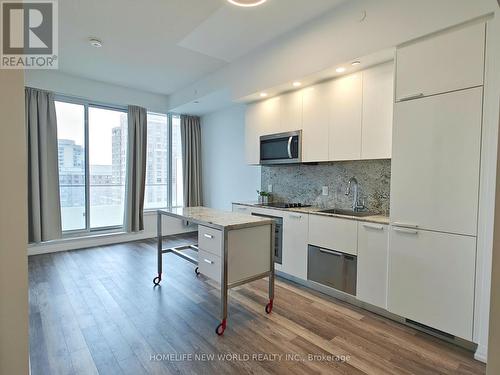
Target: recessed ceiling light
(95,42)
(340,69)
(354,63)
(296,84)
(247,3)
(263,94)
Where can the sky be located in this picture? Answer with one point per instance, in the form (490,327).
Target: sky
(71,124)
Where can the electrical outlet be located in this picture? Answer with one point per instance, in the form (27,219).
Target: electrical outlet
(324,190)
(270,188)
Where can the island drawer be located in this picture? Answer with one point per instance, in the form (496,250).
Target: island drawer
(209,265)
(210,240)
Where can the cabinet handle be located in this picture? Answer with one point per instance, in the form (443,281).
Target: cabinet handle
(208,261)
(410,97)
(331,252)
(408,225)
(208,235)
(295,216)
(373,226)
(407,231)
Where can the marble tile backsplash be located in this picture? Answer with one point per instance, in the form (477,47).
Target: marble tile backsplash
(303,183)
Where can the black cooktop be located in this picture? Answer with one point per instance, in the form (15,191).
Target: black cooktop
(286,205)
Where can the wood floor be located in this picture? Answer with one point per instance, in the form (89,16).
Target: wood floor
(95,311)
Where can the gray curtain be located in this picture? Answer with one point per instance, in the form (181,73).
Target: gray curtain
(136,168)
(44,206)
(191,160)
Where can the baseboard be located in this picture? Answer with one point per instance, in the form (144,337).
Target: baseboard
(481,353)
(85,242)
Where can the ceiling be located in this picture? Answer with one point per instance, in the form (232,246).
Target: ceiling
(164,45)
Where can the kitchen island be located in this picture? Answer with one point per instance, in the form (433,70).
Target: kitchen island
(233,249)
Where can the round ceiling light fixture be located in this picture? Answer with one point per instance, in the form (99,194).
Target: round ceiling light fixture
(95,42)
(263,94)
(340,69)
(296,84)
(247,3)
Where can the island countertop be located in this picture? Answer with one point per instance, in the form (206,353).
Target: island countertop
(214,218)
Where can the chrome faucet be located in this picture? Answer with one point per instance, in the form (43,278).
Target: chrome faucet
(354,187)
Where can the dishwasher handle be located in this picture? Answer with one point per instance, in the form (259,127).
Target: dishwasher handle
(330,252)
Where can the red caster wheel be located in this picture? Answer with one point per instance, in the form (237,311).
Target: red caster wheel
(269,307)
(221,328)
(196,271)
(157,280)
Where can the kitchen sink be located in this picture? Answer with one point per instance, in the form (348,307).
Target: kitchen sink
(338,211)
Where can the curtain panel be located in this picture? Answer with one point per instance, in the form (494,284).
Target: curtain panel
(44,205)
(136,168)
(191,160)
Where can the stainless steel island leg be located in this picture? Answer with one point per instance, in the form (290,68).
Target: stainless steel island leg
(159,245)
(269,306)
(223,287)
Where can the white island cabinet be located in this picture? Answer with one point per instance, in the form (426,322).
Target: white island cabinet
(373,247)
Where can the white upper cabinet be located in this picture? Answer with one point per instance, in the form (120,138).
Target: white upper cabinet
(315,122)
(291,111)
(345,126)
(431,279)
(261,118)
(373,247)
(450,61)
(270,116)
(378,102)
(435,162)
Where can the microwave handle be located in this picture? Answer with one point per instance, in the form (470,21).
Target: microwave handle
(290,147)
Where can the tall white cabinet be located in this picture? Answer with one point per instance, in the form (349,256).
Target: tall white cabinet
(435,166)
(435,179)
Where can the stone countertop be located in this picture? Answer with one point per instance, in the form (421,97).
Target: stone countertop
(213,218)
(379,219)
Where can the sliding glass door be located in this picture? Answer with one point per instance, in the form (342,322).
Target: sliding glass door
(71,155)
(107,166)
(92,149)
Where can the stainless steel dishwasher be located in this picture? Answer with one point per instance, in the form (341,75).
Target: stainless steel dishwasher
(332,268)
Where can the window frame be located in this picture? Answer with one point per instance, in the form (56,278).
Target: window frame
(87,104)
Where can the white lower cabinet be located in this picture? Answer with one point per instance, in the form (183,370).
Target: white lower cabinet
(294,257)
(431,279)
(373,247)
(334,233)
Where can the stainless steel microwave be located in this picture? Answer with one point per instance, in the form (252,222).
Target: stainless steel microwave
(282,148)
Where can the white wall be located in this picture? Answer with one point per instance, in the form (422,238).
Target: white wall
(13,226)
(226,176)
(65,84)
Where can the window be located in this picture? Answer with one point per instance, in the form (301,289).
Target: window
(92,155)
(71,155)
(92,152)
(164,162)
(107,166)
(156,195)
